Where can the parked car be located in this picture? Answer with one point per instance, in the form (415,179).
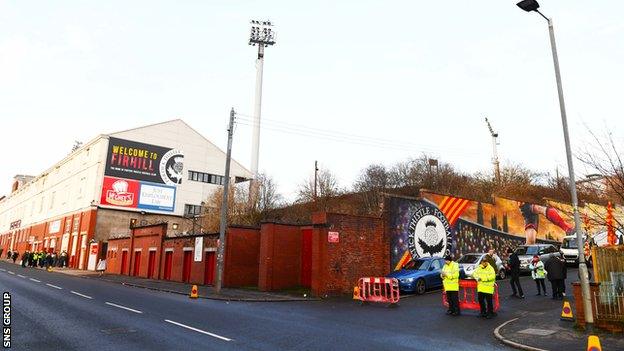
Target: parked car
(469,262)
(419,275)
(526,253)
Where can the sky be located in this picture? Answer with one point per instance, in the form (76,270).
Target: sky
(348,83)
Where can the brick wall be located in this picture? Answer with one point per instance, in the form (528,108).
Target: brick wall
(594,288)
(363,250)
(280,256)
(241,257)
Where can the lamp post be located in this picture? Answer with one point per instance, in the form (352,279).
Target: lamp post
(261,35)
(533,5)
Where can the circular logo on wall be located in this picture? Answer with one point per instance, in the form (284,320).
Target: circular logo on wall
(171,166)
(429,233)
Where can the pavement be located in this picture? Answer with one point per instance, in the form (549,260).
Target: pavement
(206,292)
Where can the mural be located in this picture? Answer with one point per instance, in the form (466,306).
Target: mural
(437,225)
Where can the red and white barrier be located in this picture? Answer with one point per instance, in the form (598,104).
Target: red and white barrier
(378,289)
(468,298)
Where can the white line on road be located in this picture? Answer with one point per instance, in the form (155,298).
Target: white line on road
(21,276)
(198,330)
(79,294)
(123,307)
(2,269)
(11,273)
(54,286)
(35,280)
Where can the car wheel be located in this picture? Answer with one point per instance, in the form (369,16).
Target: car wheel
(420,286)
(502,274)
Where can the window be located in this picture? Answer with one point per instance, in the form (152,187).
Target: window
(192,210)
(206,178)
(435,265)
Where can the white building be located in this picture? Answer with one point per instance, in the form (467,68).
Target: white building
(163,171)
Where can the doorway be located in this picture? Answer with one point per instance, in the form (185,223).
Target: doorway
(137,264)
(306,258)
(186,266)
(168,261)
(209,268)
(151,260)
(124,261)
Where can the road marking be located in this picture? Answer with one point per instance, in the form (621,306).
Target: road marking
(198,330)
(79,294)
(21,276)
(54,286)
(35,280)
(123,307)
(11,272)
(2,269)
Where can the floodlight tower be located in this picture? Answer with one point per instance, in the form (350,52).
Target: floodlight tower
(494,150)
(261,35)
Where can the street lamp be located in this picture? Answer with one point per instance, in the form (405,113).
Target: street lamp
(533,5)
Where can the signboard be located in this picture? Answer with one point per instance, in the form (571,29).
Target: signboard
(144,162)
(54,227)
(16,224)
(333,237)
(134,194)
(199,247)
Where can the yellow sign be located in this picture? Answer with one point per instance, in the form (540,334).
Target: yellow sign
(194,294)
(566,311)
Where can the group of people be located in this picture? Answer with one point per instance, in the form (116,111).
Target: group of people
(485,274)
(554,269)
(39,258)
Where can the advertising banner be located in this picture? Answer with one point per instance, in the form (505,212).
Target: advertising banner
(134,194)
(144,162)
(199,248)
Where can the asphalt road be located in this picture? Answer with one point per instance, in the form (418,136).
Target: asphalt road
(54,311)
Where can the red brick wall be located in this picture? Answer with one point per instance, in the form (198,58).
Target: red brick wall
(241,257)
(363,250)
(113,257)
(280,256)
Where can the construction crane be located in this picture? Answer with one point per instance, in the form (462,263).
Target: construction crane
(495,153)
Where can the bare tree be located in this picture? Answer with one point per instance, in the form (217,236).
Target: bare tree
(373,180)
(327,186)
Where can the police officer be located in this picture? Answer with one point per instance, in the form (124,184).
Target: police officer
(450,280)
(486,278)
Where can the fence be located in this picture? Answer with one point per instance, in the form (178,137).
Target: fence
(609,306)
(468,296)
(608,301)
(608,263)
(378,289)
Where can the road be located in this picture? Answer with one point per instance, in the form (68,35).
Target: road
(54,311)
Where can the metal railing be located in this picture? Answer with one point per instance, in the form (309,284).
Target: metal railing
(609,305)
(607,261)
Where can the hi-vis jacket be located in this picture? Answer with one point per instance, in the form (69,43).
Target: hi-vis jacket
(450,276)
(486,277)
(537,270)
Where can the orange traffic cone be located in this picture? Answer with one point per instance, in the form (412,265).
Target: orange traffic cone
(566,311)
(593,343)
(356,293)
(194,294)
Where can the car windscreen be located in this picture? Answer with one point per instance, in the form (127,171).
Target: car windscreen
(418,265)
(470,259)
(570,244)
(521,250)
(532,250)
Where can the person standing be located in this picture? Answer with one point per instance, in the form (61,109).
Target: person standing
(25,256)
(556,274)
(450,280)
(15,255)
(538,273)
(486,278)
(514,267)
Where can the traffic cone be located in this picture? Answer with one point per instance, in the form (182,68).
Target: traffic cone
(566,311)
(49,269)
(194,294)
(356,293)
(593,343)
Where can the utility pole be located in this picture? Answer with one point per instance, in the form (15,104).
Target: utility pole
(494,151)
(315,179)
(263,36)
(224,206)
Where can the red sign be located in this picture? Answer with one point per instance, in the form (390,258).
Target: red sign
(333,237)
(94,249)
(120,192)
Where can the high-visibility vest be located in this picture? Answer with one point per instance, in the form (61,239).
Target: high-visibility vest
(537,270)
(486,277)
(450,276)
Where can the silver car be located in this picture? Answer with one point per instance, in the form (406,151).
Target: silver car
(468,263)
(526,252)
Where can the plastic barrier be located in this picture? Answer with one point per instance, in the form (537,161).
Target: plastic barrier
(468,298)
(378,289)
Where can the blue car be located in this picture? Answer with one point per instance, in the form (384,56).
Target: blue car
(419,275)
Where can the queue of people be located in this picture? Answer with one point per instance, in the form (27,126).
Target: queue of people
(39,258)
(554,269)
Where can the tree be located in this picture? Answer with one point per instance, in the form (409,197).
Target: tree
(373,180)
(326,187)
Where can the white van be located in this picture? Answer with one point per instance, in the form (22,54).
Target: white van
(569,246)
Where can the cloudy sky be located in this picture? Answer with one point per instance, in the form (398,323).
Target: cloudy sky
(349,83)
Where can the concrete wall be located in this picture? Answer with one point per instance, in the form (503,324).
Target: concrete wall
(280,256)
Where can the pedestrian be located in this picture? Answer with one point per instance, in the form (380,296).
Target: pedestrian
(514,266)
(42,258)
(14,256)
(54,259)
(556,274)
(450,280)
(538,273)
(48,260)
(63,259)
(491,259)
(25,256)
(486,278)
(9,255)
